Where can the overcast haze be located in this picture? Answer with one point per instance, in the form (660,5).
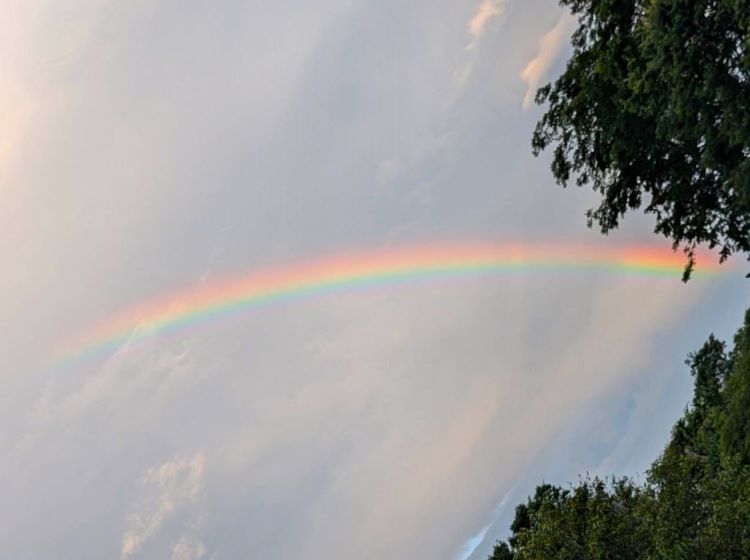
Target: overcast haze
(149,146)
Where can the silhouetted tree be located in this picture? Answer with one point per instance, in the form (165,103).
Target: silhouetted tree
(654,109)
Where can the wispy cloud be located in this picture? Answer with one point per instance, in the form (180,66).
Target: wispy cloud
(550,46)
(188,548)
(486,12)
(168,488)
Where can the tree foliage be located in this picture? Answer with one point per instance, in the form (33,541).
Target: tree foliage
(695,501)
(653,109)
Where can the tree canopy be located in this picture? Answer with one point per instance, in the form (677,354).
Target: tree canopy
(695,501)
(653,110)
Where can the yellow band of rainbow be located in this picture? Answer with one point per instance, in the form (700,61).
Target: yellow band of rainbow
(358,270)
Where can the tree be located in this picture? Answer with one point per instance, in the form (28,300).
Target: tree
(653,109)
(735,430)
(593,520)
(695,502)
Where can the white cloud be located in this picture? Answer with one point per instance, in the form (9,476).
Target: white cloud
(549,48)
(188,548)
(483,15)
(166,490)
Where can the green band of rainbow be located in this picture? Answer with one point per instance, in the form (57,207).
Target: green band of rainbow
(351,271)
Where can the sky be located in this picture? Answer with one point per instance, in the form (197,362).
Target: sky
(150,148)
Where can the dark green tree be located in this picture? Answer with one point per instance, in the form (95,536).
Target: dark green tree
(695,502)
(735,432)
(653,110)
(593,520)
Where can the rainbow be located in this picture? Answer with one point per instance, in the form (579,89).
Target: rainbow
(351,271)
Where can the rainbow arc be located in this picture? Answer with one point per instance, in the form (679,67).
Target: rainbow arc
(366,269)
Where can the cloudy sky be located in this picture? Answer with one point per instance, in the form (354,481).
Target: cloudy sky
(148,146)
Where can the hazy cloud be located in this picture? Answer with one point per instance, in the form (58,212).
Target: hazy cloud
(166,489)
(550,46)
(483,15)
(174,142)
(188,548)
